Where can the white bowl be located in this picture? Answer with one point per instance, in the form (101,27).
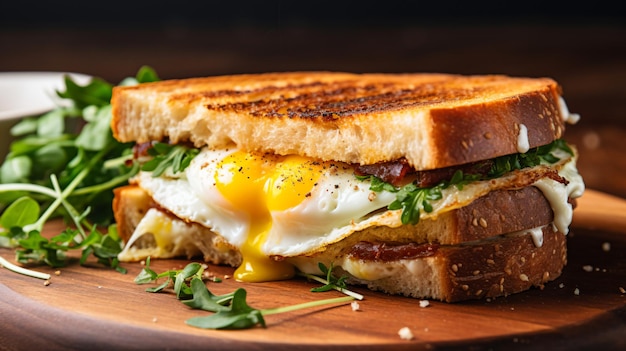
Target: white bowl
(25,94)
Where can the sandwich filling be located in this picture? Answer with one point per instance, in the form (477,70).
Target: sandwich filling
(274,209)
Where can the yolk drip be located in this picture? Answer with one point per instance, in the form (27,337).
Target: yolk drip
(257,185)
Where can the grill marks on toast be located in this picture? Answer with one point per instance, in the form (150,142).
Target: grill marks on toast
(332,100)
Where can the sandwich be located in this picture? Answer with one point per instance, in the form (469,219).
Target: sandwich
(433,186)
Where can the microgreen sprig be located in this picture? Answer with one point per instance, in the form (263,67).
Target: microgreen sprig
(230,311)
(331,282)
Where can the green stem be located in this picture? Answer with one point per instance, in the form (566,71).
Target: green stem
(64,194)
(27,187)
(70,209)
(107,185)
(17,269)
(269,311)
(324,281)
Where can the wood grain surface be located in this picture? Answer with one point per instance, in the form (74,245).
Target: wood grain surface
(96,308)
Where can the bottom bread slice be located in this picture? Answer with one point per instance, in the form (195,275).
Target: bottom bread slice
(495,267)
(490,267)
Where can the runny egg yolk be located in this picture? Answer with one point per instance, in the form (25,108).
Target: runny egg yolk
(256,185)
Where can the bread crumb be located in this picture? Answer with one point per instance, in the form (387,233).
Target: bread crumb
(606,247)
(587,268)
(154,319)
(47,282)
(622,290)
(591,140)
(355,306)
(424,303)
(406,333)
(576,291)
(561,285)
(57,273)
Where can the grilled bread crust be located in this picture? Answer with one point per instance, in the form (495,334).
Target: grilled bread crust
(432,120)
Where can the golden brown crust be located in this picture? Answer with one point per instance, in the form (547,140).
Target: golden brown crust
(130,204)
(433,120)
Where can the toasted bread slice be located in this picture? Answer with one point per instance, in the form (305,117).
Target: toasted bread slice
(431,120)
(490,268)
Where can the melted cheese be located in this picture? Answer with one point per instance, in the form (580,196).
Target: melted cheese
(558,194)
(522,139)
(162,237)
(568,117)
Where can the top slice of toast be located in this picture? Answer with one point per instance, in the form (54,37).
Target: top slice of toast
(432,120)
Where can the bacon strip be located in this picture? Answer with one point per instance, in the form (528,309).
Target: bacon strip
(381,251)
(399,172)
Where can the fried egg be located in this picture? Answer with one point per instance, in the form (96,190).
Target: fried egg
(266,205)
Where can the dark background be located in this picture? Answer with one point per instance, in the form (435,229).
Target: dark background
(582,46)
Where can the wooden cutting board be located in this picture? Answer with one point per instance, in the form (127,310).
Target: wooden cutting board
(97,308)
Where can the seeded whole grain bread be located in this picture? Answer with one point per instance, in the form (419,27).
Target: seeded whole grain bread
(432,120)
(492,268)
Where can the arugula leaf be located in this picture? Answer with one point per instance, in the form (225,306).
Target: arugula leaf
(181,289)
(21,212)
(146,275)
(98,92)
(203,299)
(174,157)
(238,316)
